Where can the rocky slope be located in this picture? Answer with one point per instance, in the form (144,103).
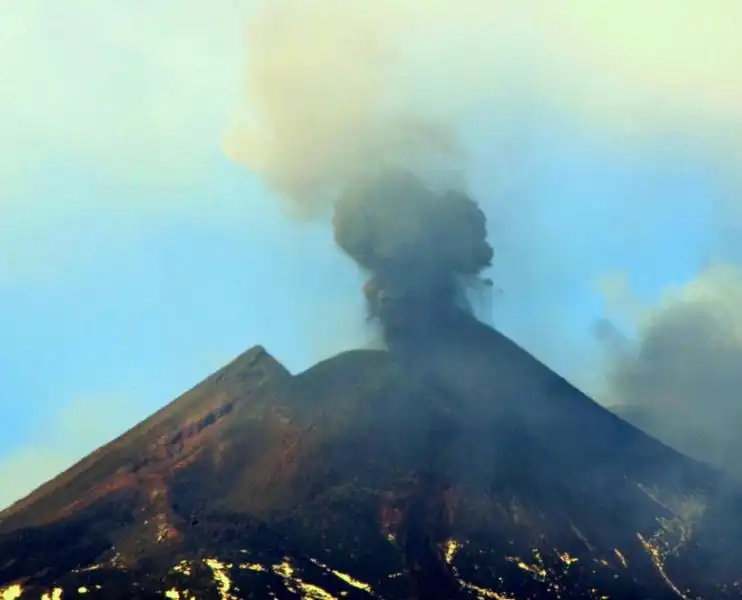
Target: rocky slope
(472,472)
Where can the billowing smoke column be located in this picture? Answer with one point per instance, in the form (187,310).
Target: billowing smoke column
(345,110)
(422,250)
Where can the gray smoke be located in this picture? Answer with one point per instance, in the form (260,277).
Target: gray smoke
(681,379)
(422,249)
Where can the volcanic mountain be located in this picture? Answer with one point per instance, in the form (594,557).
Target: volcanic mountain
(471,472)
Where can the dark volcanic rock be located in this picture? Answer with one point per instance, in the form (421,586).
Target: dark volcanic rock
(474,473)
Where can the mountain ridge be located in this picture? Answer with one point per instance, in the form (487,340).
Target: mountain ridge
(244,362)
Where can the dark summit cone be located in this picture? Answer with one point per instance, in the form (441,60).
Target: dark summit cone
(474,473)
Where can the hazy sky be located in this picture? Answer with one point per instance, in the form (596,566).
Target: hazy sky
(136,257)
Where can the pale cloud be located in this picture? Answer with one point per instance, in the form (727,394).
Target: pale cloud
(618,300)
(338,86)
(61,438)
(139,89)
(145,88)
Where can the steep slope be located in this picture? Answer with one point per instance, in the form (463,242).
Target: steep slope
(685,433)
(472,472)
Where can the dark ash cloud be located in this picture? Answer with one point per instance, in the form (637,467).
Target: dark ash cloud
(423,250)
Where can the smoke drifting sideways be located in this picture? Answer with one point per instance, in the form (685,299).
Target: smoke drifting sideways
(681,379)
(423,250)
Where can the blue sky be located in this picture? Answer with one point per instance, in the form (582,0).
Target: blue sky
(136,258)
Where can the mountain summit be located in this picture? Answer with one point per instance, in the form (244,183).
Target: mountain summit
(471,472)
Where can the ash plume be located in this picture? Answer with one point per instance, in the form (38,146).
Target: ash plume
(336,126)
(340,93)
(421,248)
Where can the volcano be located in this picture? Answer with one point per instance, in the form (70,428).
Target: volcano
(470,472)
